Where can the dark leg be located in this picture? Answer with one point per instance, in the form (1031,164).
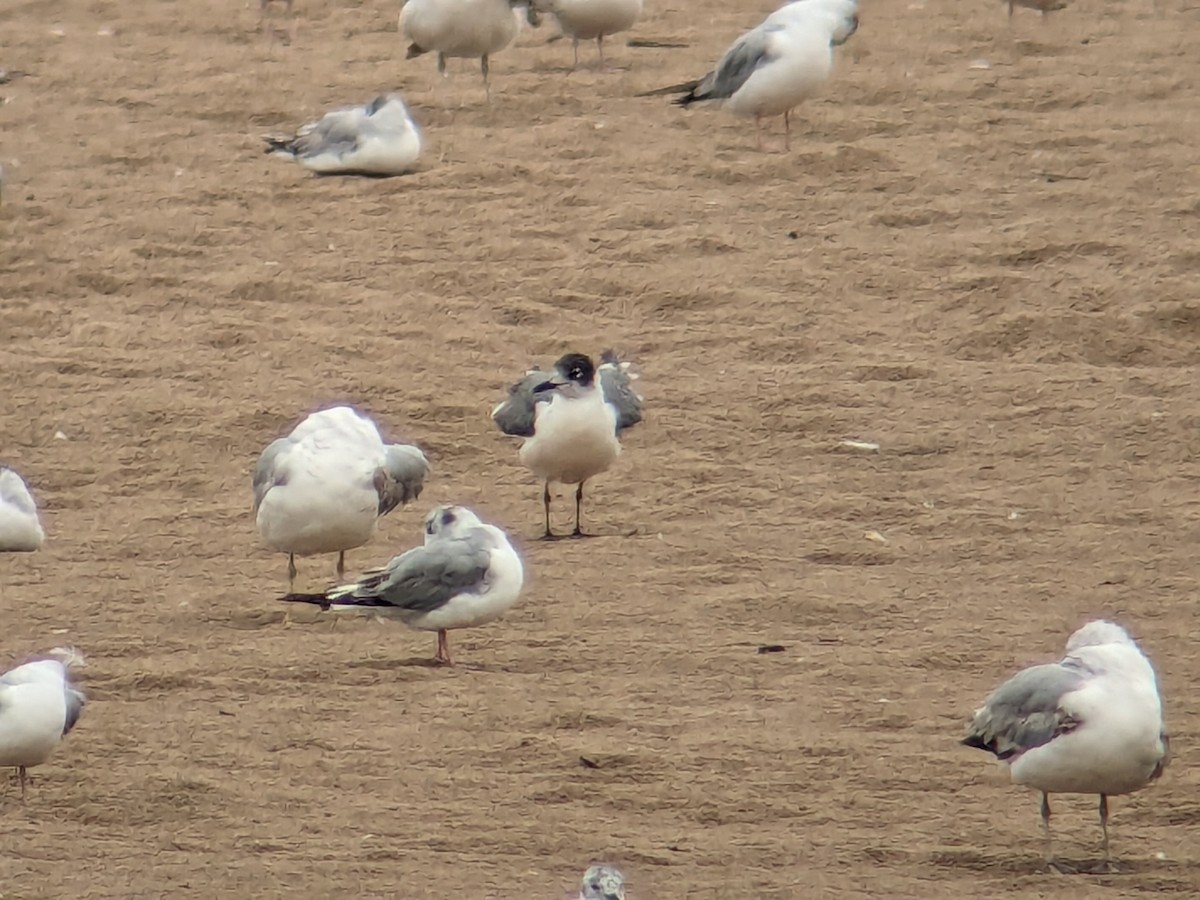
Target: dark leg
(600,50)
(487,85)
(549,535)
(787,131)
(443,650)
(21,778)
(442,64)
(575,51)
(341,566)
(1104,826)
(291,571)
(578,532)
(1046,827)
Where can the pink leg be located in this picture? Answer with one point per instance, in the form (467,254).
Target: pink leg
(443,650)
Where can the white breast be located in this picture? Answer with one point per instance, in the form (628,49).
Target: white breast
(574,438)
(32,717)
(590,19)
(466,28)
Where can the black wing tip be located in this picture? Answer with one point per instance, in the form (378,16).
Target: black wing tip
(415,50)
(316,599)
(977,742)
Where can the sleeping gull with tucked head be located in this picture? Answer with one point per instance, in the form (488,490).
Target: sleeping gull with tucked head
(38,706)
(378,138)
(1090,724)
(20,529)
(466,574)
(570,422)
(776,66)
(602,882)
(322,488)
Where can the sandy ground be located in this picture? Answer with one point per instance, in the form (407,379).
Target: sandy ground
(990,271)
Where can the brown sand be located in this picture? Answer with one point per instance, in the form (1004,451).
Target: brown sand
(991,272)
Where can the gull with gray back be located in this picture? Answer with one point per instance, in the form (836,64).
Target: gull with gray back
(466,574)
(1089,724)
(571,420)
(378,139)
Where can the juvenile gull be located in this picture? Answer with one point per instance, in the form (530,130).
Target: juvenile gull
(571,424)
(602,882)
(1090,724)
(38,706)
(378,138)
(322,488)
(20,529)
(466,574)
(591,20)
(776,66)
(471,29)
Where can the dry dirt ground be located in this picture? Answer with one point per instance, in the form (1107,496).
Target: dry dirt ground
(990,271)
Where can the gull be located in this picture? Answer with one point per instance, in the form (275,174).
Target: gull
(466,574)
(601,882)
(591,20)
(322,488)
(776,66)
(378,138)
(571,424)
(1090,724)
(1046,6)
(20,529)
(38,706)
(462,28)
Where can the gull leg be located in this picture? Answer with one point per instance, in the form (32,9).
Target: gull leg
(341,566)
(291,572)
(443,649)
(442,64)
(487,85)
(21,777)
(578,532)
(549,535)
(787,130)
(1046,828)
(600,50)
(1108,863)
(575,52)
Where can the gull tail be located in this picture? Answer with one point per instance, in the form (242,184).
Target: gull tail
(415,50)
(279,143)
(686,87)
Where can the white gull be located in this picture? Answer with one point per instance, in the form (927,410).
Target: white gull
(38,706)
(591,20)
(20,529)
(1090,724)
(378,138)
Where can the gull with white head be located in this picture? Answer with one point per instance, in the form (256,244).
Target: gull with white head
(470,29)
(571,421)
(38,706)
(466,574)
(20,528)
(1045,6)
(323,487)
(777,65)
(1089,724)
(378,138)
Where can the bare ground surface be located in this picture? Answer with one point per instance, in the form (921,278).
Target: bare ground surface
(989,271)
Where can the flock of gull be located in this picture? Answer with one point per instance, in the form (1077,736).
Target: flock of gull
(767,72)
(1091,723)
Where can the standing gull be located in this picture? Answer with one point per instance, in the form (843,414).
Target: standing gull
(776,66)
(378,138)
(38,706)
(466,574)
(1090,724)
(591,20)
(571,424)
(322,488)
(472,29)
(20,529)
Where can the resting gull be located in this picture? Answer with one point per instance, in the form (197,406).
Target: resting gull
(378,139)
(591,20)
(1046,6)
(571,424)
(1090,724)
(776,66)
(20,529)
(470,29)
(602,882)
(322,488)
(466,574)
(38,706)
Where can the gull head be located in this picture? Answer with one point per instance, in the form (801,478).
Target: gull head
(571,368)
(602,882)
(1097,634)
(447,521)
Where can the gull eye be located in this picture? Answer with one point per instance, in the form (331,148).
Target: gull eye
(448,519)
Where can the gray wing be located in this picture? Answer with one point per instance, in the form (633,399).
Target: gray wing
(402,476)
(516,414)
(739,62)
(336,132)
(75,702)
(425,578)
(618,390)
(265,475)
(1025,712)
